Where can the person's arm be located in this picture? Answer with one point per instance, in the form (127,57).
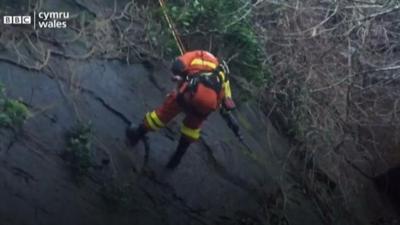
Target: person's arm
(226,111)
(231,122)
(227,101)
(178,70)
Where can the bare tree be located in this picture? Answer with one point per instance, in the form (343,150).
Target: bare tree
(335,89)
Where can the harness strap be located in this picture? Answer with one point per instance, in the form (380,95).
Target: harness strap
(213,80)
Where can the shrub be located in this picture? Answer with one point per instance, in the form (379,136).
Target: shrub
(79,150)
(117,196)
(229,24)
(13,113)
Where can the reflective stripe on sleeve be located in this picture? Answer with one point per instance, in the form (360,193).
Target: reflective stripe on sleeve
(227,89)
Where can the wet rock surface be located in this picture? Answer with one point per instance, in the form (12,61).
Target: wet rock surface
(218,181)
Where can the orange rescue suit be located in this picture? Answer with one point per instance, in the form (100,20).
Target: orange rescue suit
(196,107)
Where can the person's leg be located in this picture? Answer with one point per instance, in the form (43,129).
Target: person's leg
(155,120)
(175,159)
(190,132)
(135,132)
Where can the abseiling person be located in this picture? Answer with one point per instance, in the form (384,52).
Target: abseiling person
(202,88)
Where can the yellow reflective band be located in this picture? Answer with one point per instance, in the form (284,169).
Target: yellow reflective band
(222,74)
(191,133)
(156,120)
(203,63)
(150,122)
(227,89)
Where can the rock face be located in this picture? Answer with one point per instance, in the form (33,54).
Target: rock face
(218,181)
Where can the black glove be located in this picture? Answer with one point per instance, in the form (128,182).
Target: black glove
(232,122)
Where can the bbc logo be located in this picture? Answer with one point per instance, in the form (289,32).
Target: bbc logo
(17,20)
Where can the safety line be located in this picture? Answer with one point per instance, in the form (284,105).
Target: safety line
(172,28)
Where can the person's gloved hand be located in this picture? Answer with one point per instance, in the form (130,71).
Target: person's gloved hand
(229,104)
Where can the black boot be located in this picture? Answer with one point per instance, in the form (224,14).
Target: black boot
(135,133)
(180,151)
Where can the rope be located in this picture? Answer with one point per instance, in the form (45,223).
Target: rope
(182,50)
(172,28)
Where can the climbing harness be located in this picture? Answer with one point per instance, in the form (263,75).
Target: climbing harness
(213,80)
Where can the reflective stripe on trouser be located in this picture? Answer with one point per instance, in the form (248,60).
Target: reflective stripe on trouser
(193,134)
(167,111)
(153,121)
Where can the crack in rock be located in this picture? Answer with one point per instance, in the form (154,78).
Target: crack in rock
(24,174)
(223,173)
(111,109)
(184,206)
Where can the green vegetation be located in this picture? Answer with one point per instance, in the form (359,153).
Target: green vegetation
(117,196)
(225,26)
(79,150)
(13,113)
